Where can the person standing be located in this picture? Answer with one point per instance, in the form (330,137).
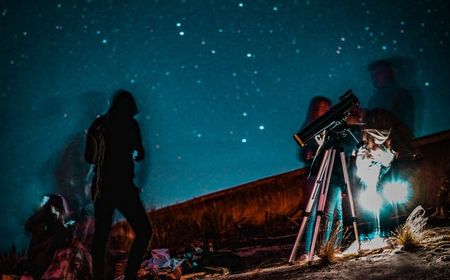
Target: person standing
(113,144)
(320,105)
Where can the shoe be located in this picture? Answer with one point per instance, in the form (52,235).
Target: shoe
(315,258)
(304,257)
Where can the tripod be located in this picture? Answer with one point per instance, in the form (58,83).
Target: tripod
(320,190)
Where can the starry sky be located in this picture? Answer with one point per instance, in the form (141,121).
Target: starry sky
(221,85)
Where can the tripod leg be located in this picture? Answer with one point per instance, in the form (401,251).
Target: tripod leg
(350,197)
(322,200)
(317,186)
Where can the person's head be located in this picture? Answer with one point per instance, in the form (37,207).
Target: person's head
(318,106)
(382,73)
(123,104)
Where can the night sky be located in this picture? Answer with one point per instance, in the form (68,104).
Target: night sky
(221,85)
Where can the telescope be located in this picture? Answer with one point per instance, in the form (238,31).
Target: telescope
(330,120)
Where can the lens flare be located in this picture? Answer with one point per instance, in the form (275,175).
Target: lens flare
(370,200)
(396,192)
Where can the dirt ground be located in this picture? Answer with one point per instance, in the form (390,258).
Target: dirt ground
(431,261)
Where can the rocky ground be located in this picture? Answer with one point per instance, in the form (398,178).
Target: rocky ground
(430,261)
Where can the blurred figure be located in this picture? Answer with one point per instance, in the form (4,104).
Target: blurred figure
(318,106)
(73,176)
(391,107)
(406,76)
(49,233)
(113,144)
(388,95)
(442,197)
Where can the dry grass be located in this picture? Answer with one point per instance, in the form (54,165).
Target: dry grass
(405,237)
(328,252)
(413,235)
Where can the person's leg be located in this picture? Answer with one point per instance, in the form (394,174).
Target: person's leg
(103,212)
(334,206)
(310,227)
(133,210)
(334,202)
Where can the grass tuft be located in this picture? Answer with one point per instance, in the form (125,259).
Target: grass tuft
(328,253)
(412,234)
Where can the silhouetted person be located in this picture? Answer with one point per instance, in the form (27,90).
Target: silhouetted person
(113,144)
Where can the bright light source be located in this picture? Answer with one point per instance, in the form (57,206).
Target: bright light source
(396,192)
(370,200)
